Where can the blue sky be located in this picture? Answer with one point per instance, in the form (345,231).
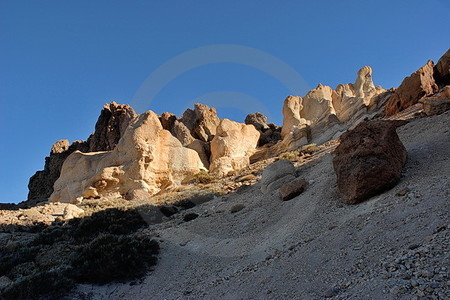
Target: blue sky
(60,61)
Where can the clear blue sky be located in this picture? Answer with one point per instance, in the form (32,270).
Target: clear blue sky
(60,61)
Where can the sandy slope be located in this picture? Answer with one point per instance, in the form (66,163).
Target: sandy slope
(313,246)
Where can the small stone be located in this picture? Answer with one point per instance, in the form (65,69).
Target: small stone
(237,207)
(293,189)
(402,192)
(331,292)
(168,210)
(190,216)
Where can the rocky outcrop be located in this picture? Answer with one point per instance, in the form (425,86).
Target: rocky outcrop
(420,84)
(111,125)
(369,160)
(206,122)
(291,115)
(270,133)
(317,104)
(146,160)
(258,120)
(322,113)
(442,70)
(232,146)
(182,133)
(167,120)
(437,103)
(41,184)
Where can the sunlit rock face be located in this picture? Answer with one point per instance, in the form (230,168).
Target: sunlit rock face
(146,160)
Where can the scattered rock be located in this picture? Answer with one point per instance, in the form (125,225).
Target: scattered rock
(246,178)
(4,282)
(275,171)
(369,160)
(190,216)
(185,204)
(402,192)
(293,189)
(168,210)
(438,103)
(237,207)
(72,211)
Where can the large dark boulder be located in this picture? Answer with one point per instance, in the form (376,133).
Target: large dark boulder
(369,160)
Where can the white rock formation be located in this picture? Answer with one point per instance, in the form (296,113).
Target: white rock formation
(232,146)
(146,160)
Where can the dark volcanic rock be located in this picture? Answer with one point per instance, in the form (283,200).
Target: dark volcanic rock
(110,126)
(190,216)
(41,183)
(168,210)
(293,189)
(369,160)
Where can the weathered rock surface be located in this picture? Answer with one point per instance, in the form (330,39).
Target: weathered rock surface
(232,146)
(369,160)
(146,160)
(291,115)
(437,103)
(182,133)
(206,122)
(420,84)
(258,120)
(292,189)
(41,183)
(167,120)
(442,70)
(317,104)
(111,125)
(270,133)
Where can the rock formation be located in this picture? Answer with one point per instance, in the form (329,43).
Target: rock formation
(442,70)
(369,160)
(146,160)
(206,122)
(270,133)
(167,120)
(40,185)
(111,125)
(258,120)
(291,115)
(317,104)
(437,103)
(420,84)
(232,146)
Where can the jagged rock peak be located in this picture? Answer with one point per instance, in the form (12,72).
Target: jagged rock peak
(111,125)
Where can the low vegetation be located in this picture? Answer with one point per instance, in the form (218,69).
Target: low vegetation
(104,247)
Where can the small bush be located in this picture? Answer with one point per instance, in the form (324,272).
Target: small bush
(204,177)
(291,155)
(114,258)
(113,221)
(42,285)
(309,149)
